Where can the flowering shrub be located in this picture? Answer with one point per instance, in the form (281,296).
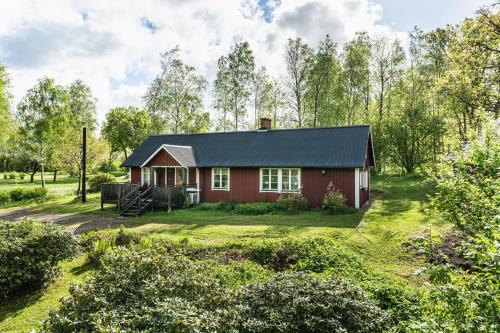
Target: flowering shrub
(334,201)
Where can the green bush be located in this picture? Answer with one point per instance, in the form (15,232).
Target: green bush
(297,302)
(334,201)
(96,181)
(4,197)
(99,242)
(22,175)
(157,291)
(12,175)
(292,202)
(30,253)
(19,194)
(148,290)
(254,208)
(5,176)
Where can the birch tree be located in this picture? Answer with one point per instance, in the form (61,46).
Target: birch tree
(43,114)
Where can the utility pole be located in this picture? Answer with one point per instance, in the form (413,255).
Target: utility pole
(84,165)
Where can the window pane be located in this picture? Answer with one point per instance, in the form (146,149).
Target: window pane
(294,180)
(224,172)
(285,179)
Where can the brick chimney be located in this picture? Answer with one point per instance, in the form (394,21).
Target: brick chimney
(265,124)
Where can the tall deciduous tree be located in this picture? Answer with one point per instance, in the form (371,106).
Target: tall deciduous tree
(82,106)
(387,63)
(356,70)
(298,63)
(125,128)
(261,95)
(174,98)
(321,92)
(6,120)
(234,79)
(43,115)
(82,114)
(472,81)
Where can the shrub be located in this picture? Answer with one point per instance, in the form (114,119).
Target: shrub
(99,242)
(96,181)
(30,252)
(156,291)
(334,201)
(4,197)
(12,175)
(293,202)
(22,175)
(296,302)
(5,176)
(255,208)
(147,290)
(19,194)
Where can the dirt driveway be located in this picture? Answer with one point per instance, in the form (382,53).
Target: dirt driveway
(77,223)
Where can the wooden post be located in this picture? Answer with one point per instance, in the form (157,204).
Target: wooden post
(84,165)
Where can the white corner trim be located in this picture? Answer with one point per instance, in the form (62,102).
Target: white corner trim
(197,185)
(129,175)
(356,188)
(228,180)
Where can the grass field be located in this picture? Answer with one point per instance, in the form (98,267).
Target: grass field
(398,213)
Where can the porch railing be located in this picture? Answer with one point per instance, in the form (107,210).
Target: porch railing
(113,192)
(132,197)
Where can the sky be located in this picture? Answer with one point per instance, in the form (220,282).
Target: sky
(114,46)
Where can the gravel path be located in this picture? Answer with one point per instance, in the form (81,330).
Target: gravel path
(77,223)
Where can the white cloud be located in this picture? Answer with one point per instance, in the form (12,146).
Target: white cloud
(108,45)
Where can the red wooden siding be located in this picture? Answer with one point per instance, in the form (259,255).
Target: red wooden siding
(135,177)
(192,176)
(244,185)
(314,184)
(162,158)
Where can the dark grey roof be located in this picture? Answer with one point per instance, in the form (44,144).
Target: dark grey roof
(185,155)
(334,147)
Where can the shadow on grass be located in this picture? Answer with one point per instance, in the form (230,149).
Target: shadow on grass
(14,306)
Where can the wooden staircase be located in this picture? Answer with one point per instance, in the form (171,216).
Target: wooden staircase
(136,202)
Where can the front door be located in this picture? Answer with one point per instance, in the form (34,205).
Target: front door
(170,176)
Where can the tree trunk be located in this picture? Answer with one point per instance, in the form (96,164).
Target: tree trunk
(79,183)
(33,172)
(42,174)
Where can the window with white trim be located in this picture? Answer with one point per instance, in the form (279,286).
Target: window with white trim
(220,179)
(146,176)
(279,180)
(363,179)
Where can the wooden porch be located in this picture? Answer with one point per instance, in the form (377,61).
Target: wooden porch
(134,200)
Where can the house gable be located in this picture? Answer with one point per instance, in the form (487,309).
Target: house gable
(162,158)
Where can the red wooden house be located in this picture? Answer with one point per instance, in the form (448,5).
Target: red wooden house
(251,166)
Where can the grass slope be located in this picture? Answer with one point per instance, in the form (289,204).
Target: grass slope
(378,235)
(28,312)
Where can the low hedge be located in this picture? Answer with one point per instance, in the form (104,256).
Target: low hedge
(30,252)
(286,203)
(19,194)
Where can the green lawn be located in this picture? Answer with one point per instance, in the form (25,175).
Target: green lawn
(28,312)
(378,234)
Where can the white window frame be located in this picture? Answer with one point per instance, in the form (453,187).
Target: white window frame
(142,175)
(280,181)
(363,179)
(228,180)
